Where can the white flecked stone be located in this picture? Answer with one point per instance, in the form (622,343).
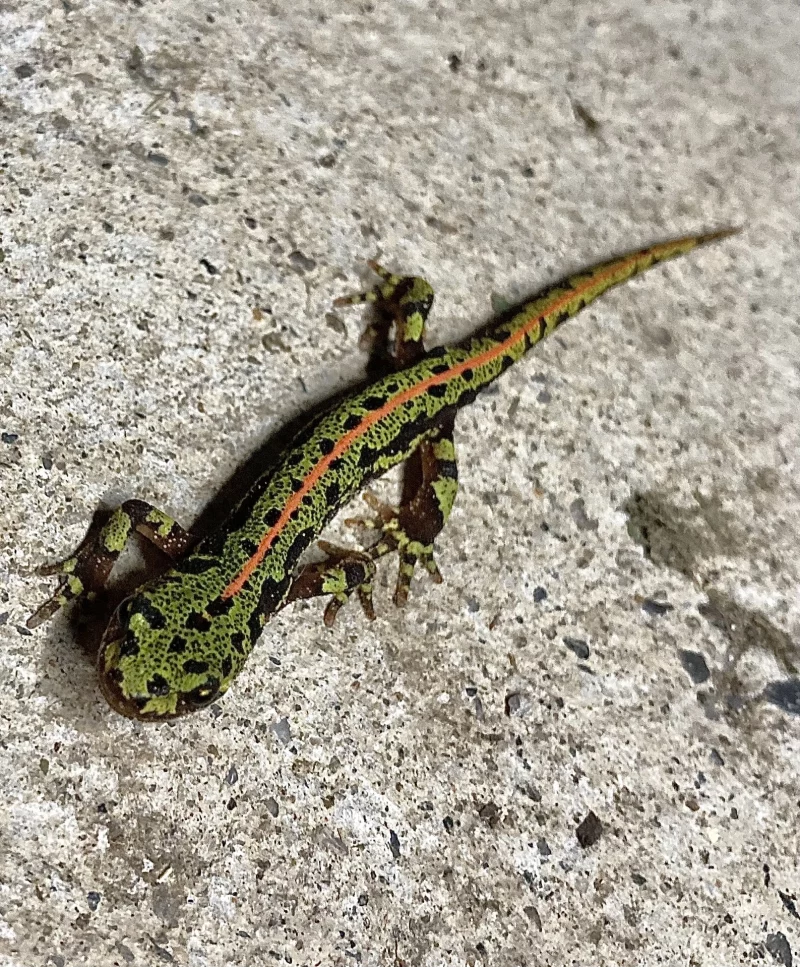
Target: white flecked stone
(184,189)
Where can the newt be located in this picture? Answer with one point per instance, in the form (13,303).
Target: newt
(177,643)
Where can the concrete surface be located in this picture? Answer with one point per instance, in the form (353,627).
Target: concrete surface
(185,188)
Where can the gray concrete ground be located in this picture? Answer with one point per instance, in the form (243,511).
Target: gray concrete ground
(185,188)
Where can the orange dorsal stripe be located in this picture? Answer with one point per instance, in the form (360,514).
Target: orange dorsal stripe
(346,441)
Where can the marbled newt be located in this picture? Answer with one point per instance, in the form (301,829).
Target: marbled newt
(177,642)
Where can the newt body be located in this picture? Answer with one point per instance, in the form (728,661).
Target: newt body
(179,641)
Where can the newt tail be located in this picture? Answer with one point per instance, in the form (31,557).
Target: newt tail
(178,642)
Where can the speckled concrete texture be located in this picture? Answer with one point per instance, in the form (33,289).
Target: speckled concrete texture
(584,747)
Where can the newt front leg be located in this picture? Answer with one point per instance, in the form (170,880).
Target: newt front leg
(86,572)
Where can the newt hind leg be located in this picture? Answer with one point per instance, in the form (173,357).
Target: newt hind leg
(430,479)
(86,572)
(430,485)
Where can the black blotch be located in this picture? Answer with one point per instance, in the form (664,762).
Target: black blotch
(194,667)
(440,368)
(270,596)
(129,647)
(255,626)
(366,458)
(505,362)
(151,615)
(448,469)
(195,565)
(436,353)
(219,606)
(248,546)
(373,402)
(294,514)
(237,642)
(352,421)
(402,287)
(333,492)
(272,516)
(294,458)
(299,544)
(336,465)
(158,686)
(468,374)
(177,646)
(198,621)
(213,545)
(468,396)
(409,432)
(116,675)
(227,666)
(355,572)
(438,391)
(404,441)
(326,446)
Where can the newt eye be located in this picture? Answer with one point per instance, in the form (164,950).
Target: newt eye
(119,620)
(124,611)
(204,694)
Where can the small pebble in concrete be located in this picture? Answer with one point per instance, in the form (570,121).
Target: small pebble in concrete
(533,915)
(589,830)
(778,946)
(513,703)
(577,646)
(694,664)
(656,608)
(788,902)
(785,694)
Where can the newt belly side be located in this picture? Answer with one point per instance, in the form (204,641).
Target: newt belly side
(179,641)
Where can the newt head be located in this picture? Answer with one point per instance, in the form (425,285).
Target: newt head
(148,671)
